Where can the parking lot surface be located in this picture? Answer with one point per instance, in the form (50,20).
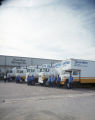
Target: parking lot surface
(22,102)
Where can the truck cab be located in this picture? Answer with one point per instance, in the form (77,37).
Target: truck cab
(33,70)
(68,69)
(12,73)
(75,73)
(22,73)
(44,74)
(46,71)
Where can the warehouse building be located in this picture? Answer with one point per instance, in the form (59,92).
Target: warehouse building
(9,62)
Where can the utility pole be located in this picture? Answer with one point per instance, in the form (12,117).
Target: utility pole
(5,66)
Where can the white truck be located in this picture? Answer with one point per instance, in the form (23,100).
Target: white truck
(46,71)
(22,73)
(33,70)
(12,73)
(83,71)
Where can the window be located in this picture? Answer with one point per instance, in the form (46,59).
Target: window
(21,71)
(47,70)
(32,70)
(44,70)
(18,71)
(75,72)
(66,72)
(10,71)
(40,70)
(28,70)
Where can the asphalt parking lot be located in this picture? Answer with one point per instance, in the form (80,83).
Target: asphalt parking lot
(22,102)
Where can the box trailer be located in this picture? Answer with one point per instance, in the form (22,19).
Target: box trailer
(83,71)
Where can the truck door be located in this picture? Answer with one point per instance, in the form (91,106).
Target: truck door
(76,75)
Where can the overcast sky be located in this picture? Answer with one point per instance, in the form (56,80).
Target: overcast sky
(55,29)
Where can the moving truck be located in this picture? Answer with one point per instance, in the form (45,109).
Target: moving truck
(48,70)
(12,73)
(83,71)
(22,73)
(33,70)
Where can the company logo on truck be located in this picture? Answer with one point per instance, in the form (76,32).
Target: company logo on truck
(45,65)
(57,65)
(66,63)
(80,63)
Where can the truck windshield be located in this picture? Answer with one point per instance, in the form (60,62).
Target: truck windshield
(75,73)
(18,71)
(21,71)
(44,70)
(32,70)
(28,70)
(10,71)
(66,73)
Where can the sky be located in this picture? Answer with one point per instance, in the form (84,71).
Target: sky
(53,29)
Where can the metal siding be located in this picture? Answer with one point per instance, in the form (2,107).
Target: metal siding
(18,61)
(8,62)
(38,61)
(2,60)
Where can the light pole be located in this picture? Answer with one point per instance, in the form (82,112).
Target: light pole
(5,66)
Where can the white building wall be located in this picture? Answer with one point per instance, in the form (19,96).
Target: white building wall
(8,62)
